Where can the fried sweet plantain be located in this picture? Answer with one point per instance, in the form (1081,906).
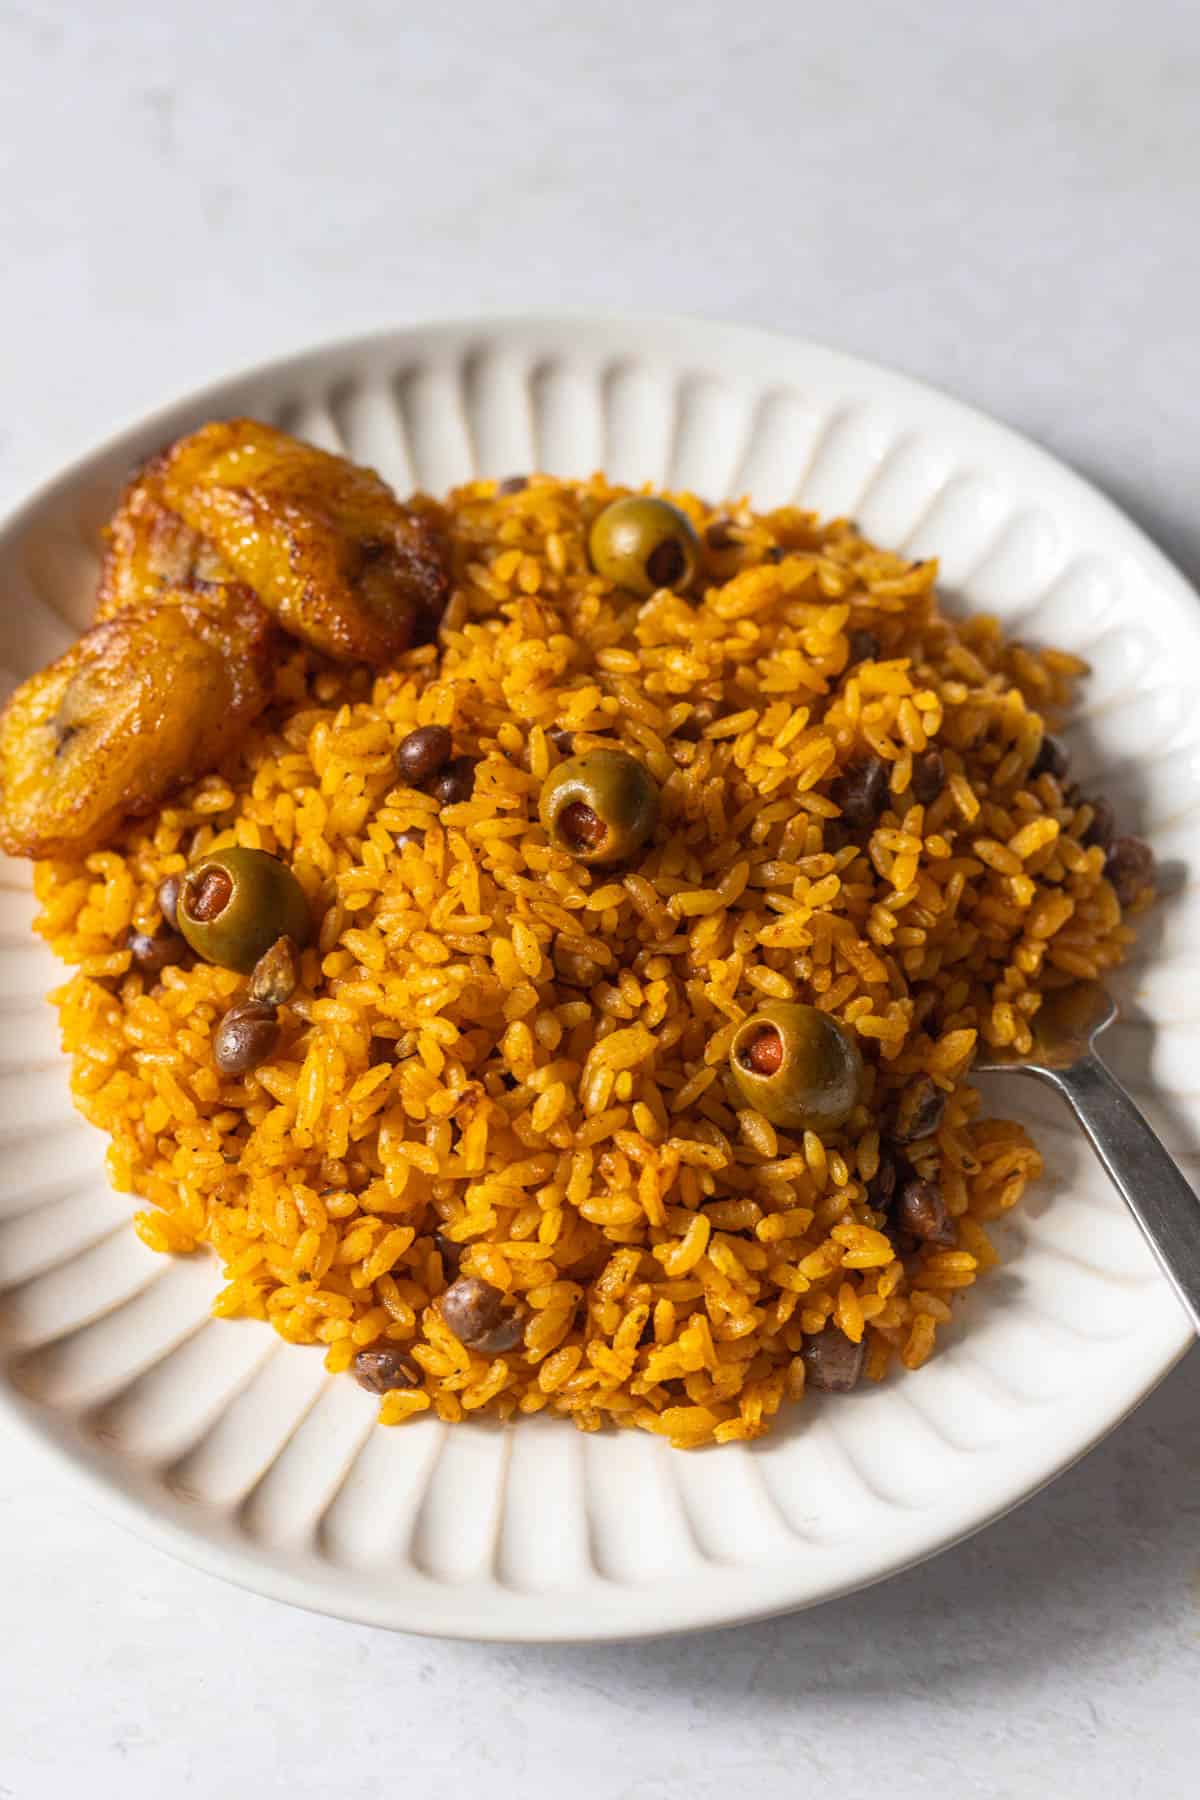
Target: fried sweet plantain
(325,544)
(150,549)
(155,696)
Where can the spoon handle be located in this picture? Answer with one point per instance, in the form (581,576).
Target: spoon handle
(1140,1168)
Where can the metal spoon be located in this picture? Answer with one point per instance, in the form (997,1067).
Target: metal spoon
(1138,1164)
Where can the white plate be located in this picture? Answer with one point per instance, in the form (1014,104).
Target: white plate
(220,1443)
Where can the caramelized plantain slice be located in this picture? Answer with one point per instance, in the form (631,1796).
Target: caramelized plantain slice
(155,696)
(150,549)
(324,544)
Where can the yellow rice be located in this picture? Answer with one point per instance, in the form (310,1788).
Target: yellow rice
(561,1108)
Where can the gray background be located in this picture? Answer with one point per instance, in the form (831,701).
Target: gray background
(1001,198)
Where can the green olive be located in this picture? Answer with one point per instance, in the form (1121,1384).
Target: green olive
(601,806)
(234,904)
(644,544)
(797,1066)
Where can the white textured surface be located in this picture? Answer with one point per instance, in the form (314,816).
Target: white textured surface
(1022,238)
(246,1455)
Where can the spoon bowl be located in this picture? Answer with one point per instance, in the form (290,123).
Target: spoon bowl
(1066,1026)
(1140,1167)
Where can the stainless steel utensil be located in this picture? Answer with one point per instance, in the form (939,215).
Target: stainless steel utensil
(1138,1164)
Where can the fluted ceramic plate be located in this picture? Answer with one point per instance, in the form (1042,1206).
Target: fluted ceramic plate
(219,1442)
